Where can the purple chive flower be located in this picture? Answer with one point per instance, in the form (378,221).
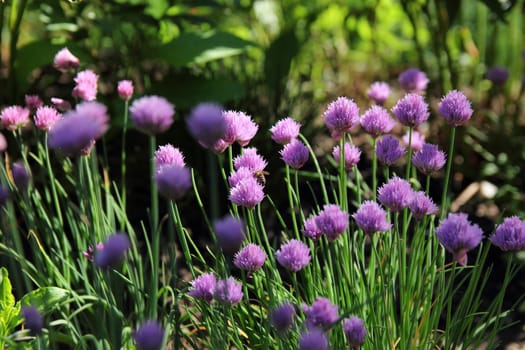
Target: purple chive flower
(33,102)
(113,251)
(64,60)
(168,155)
(21,176)
(203,287)
(429,159)
(411,110)
(247,193)
(341,116)
(173,181)
(4,195)
(313,339)
(15,117)
(295,154)
(46,117)
(90,252)
(389,150)
(371,218)
(282,317)
(230,233)
(332,221)
(125,89)
(152,114)
(3,143)
(396,194)
(413,80)
(497,75)
(458,235)
(207,124)
(149,336)
(455,108)
(310,228)
(33,319)
(321,314)
(228,291)
(250,258)
(245,128)
(422,205)
(60,104)
(376,121)
(285,130)
(77,129)
(352,155)
(86,85)
(355,331)
(238,175)
(379,92)
(293,255)
(249,159)
(510,235)
(418,140)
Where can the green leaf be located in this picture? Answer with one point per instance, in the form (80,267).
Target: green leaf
(45,298)
(9,312)
(7,299)
(191,48)
(278,59)
(186,90)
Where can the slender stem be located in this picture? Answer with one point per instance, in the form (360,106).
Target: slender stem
(154,232)
(52,181)
(292,203)
(342,175)
(123,164)
(447,174)
(409,155)
(374,168)
(317,168)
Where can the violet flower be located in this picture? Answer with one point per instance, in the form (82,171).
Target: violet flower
(149,336)
(310,229)
(168,155)
(125,89)
(422,205)
(371,218)
(113,251)
(293,255)
(230,234)
(207,124)
(341,116)
(238,175)
(203,287)
(497,75)
(376,121)
(313,339)
(332,221)
(396,194)
(389,150)
(46,117)
(152,114)
(379,92)
(510,235)
(429,159)
(282,317)
(250,258)
(33,319)
(15,117)
(458,235)
(413,80)
(455,108)
(295,154)
(285,130)
(173,181)
(247,193)
(352,155)
(321,314)
(86,85)
(250,159)
(355,331)
(64,60)
(228,291)
(411,110)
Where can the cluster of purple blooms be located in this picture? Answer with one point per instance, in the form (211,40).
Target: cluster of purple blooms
(208,288)
(286,132)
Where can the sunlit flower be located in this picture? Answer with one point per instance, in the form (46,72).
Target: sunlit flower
(458,235)
(455,108)
(125,89)
(379,92)
(371,218)
(510,235)
(352,155)
(86,85)
(250,258)
(15,117)
(46,117)
(293,255)
(429,159)
(332,221)
(396,194)
(64,60)
(413,80)
(389,150)
(411,110)
(285,130)
(341,116)
(228,291)
(207,124)
(203,287)
(295,154)
(376,121)
(355,331)
(322,313)
(152,114)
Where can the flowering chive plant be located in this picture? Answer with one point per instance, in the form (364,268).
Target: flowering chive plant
(368,261)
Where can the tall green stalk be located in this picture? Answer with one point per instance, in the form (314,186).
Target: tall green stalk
(444,199)
(123,196)
(154,230)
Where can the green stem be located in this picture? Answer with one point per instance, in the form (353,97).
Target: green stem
(409,155)
(52,181)
(291,202)
(342,175)
(317,168)
(123,164)
(154,231)
(374,169)
(447,174)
